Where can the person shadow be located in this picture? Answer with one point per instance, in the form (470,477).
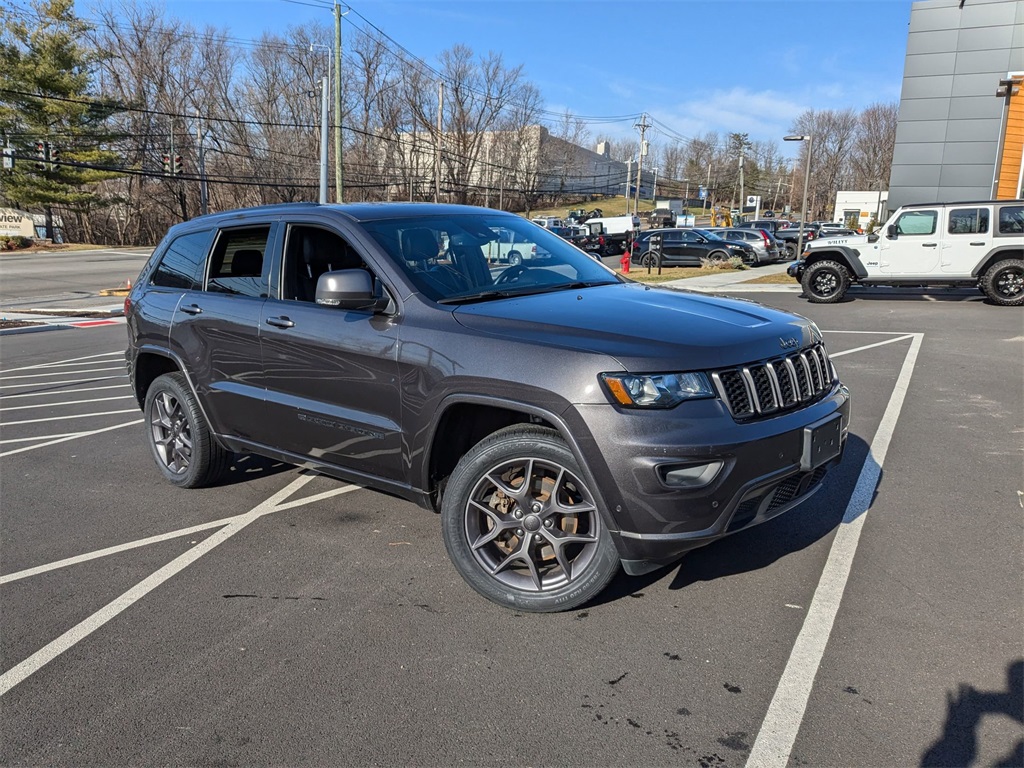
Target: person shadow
(958,745)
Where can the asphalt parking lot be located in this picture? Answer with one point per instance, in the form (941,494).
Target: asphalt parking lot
(288,619)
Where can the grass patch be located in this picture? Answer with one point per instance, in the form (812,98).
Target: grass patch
(780,278)
(639,274)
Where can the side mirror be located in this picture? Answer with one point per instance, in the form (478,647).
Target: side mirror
(890,231)
(347,289)
(873,237)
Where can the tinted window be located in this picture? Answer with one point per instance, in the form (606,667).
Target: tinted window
(309,253)
(1011,220)
(964,221)
(182,264)
(917,223)
(237,262)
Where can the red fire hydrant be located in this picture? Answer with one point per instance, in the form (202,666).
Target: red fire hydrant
(624,261)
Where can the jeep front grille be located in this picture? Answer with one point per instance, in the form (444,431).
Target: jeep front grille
(776,385)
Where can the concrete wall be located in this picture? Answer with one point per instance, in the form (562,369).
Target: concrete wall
(951,121)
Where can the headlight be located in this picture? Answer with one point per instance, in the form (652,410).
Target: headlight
(663,390)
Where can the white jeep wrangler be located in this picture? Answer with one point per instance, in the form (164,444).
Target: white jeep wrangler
(942,244)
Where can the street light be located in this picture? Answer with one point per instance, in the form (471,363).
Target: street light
(807,180)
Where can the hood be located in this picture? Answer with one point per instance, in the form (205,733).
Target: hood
(850,241)
(645,329)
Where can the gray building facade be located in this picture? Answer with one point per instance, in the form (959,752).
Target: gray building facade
(952,125)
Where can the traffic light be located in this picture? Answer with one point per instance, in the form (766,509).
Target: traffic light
(177,165)
(167,162)
(40,155)
(53,154)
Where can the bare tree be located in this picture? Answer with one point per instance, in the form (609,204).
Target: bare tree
(875,139)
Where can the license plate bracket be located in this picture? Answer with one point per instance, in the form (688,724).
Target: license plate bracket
(822,442)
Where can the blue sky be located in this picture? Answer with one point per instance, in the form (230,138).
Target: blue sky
(694,65)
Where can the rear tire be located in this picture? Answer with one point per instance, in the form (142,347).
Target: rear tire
(1003,283)
(179,437)
(825,282)
(515,258)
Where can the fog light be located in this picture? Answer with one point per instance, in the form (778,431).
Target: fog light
(695,476)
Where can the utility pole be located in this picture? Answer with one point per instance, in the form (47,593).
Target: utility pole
(437,142)
(654,196)
(743,196)
(339,182)
(490,173)
(629,179)
(324,109)
(643,126)
(707,191)
(204,197)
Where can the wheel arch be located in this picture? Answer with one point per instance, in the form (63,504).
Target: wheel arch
(150,363)
(465,420)
(997,254)
(847,257)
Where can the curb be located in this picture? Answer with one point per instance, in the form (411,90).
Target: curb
(35,328)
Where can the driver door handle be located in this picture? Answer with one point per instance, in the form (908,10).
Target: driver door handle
(192,309)
(929,245)
(280,322)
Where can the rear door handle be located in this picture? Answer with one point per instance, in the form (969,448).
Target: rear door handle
(192,309)
(981,243)
(929,245)
(280,322)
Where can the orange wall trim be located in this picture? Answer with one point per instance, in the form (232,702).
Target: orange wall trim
(1013,147)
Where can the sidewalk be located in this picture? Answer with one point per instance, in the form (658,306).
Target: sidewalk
(734,282)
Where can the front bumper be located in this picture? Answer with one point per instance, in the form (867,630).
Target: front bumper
(762,473)
(796,269)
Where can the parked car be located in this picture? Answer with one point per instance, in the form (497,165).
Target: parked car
(509,247)
(660,218)
(686,248)
(790,236)
(766,247)
(562,420)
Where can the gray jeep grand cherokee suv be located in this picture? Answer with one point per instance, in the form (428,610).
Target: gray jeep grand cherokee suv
(562,419)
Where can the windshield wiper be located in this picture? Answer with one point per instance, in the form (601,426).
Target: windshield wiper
(526,290)
(479,296)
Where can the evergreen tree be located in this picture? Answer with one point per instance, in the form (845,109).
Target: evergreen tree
(45,96)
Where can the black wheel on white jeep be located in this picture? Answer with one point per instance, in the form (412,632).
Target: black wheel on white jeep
(1003,283)
(522,527)
(825,282)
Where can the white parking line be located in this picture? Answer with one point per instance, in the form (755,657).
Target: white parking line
(74,436)
(62,383)
(66,418)
(60,373)
(774,743)
(79,632)
(871,346)
(67,402)
(61,392)
(86,360)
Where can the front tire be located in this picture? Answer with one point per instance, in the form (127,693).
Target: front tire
(521,526)
(179,437)
(515,258)
(1003,283)
(825,282)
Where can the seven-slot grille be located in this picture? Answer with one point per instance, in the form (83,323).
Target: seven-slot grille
(764,388)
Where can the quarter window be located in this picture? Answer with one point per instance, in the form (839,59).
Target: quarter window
(917,223)
(237,262)
(183,262)
(968,221)
(1011,220)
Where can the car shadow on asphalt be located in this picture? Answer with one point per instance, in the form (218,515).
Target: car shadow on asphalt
(762,545)
(245,467)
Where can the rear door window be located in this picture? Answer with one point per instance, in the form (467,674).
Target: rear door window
(184,262)
(968,221)
(237,262)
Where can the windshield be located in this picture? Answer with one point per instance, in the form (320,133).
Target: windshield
(463,257)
